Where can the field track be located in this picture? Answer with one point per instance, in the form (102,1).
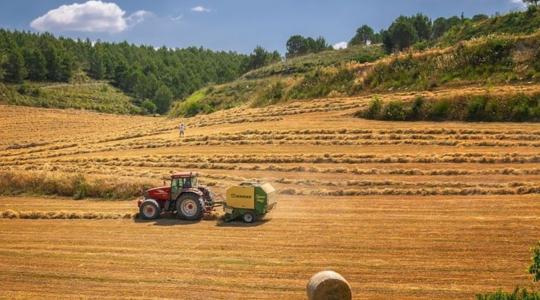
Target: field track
(417,210)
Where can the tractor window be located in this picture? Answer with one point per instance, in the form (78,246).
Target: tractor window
(187,182)
(176,183)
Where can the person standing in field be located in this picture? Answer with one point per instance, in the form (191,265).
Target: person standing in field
(182,129)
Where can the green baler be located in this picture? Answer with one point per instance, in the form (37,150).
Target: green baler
(249,200)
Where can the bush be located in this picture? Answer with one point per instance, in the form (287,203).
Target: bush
(439,110)
(271,95)
(149,106)
(517,294)
(476,109)
(394,111)
(534,269)
(374,109)
(483,108)
(416,109)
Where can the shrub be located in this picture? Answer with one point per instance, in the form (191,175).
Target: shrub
(273,94)
(374,109)
(476,109)
(439,110)
(149,106)
(534,269)
(517,294)
(394,111)
(416,109)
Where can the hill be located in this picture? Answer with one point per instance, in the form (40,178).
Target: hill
(270,84)
(143,73)
(482,52)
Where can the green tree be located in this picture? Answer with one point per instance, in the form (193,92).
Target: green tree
(531,2)
(296,45)
(97,66)
(400,35)
(440,26)
(260,58)
(423,26)
(36,65)
(363,35)
(163,99)
(14,66)
(2,60)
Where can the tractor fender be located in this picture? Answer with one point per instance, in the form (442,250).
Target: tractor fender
(197,194)
(192,190)
(151,200)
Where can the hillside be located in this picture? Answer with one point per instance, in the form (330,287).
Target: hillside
(144,74)
(484,52)
(270,84)
(89,95)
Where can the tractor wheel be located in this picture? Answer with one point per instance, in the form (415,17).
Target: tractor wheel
(248,217)
(189,207)
(149,210)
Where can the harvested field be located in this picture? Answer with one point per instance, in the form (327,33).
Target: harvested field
(410,247)
(406,209)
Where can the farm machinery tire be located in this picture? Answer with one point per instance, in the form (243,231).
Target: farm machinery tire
(248,217)
(190,207)
(149,210)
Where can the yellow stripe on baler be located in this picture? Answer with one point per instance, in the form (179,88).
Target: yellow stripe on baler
(241,197)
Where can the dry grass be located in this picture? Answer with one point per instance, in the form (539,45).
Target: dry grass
(410,209)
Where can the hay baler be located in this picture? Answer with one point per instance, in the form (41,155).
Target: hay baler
(191,201)
(249,201)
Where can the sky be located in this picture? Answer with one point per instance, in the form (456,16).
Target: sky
(235,25)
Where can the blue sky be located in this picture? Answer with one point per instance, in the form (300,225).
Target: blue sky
(237,25)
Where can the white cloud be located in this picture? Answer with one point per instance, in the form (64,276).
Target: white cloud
(91,16)
(340,45)
(519,2)
(177,18)
(200,9)
(137,17)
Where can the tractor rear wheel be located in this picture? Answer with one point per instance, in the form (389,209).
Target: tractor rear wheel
(149,210)
(248,217)
(190,207)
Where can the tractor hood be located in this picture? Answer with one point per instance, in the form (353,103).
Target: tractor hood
(159,193)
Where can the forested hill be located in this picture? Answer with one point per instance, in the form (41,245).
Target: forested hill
(149,76)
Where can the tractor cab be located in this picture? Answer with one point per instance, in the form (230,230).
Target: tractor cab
(181,182)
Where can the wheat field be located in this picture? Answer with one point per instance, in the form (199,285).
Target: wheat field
(409,210)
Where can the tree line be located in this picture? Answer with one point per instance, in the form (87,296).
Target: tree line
(153,77)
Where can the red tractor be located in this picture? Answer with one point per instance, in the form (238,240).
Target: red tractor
(183,196)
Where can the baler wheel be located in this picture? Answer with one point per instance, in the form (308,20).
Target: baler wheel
(248,217)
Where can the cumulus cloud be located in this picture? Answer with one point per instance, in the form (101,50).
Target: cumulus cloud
(91,16)
(200,9)
(340,45)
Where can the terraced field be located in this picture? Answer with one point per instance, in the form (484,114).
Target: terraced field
(410,210)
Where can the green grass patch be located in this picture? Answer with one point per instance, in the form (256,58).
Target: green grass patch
(95,95)
(485,108)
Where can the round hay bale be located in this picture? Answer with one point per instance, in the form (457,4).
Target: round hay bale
(328,285)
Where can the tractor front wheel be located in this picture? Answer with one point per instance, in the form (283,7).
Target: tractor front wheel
(190,207)
(149,210)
